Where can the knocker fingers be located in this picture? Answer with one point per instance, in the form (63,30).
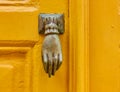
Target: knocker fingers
(59,60)
(52,63)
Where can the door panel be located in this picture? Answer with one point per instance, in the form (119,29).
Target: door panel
(96,45)
(104,46)
(15,69)
(20,47)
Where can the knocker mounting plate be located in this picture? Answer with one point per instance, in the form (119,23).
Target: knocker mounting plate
(51,19)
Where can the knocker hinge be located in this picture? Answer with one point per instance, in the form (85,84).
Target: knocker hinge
(51,24)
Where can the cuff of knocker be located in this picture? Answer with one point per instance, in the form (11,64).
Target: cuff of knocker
(51,31)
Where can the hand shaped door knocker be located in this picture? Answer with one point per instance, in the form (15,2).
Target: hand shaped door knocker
(51,25)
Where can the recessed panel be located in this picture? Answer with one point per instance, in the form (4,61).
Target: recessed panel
(14,70)
(6,78)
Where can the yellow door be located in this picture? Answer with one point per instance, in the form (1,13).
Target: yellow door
(96,43)
(104,45)
(21,68)
(90,46)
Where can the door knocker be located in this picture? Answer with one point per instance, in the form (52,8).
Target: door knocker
(51,25)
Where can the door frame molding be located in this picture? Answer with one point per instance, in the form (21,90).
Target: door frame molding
(79,45)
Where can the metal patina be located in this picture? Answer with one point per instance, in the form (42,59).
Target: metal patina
(51,25)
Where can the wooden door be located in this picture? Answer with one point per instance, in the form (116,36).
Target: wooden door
(96,43)
(90,46)
(21,68)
